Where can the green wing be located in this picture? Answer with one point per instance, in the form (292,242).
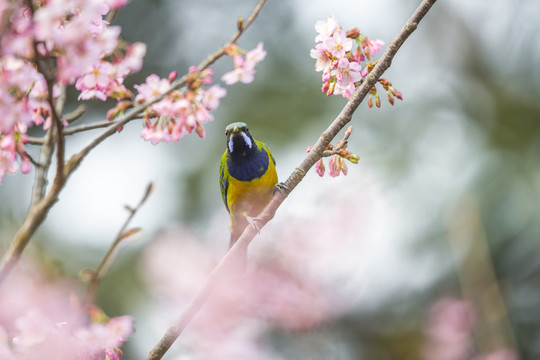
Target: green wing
(223,180)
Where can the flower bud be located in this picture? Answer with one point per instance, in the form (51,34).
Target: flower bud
(331,89)
(200,130)
(343,166)
(390,98)
(353,158)
(172,76)
(319,167)
(240,23)
(325,86)
(348,132)
(353,33)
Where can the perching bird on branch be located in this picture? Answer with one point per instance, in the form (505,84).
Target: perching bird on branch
(247,177)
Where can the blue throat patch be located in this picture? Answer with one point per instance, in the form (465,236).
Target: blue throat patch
(248,165)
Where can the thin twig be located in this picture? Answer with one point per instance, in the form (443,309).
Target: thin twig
(107,260)
(90,126)
(74,115)
(285,188)
(110,16)
(69,118)
(341,145)
(35,140)
(32,160)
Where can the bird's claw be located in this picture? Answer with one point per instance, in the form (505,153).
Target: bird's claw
(281,187)
(253,222)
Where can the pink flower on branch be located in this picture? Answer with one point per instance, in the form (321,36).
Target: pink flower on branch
(339,54)
(325,29)
(179,112)
(116,4)
(8,163)
(76,33)
(244,68)
(105,79)
(338,154)
(338,45)
(371,46)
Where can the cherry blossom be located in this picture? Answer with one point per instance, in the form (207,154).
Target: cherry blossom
(117,4)
(240,74)
(325,28)
(338,44)
(179,112)
(244,68)
(337,165)
(105,79)
(319,167)
(255,56)
(8,163)
(339,54)
(77,32)
(372,46)
(323,58)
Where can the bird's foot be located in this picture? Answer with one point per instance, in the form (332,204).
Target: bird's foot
(253,221)
(281,187)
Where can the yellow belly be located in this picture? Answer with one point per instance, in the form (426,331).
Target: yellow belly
(249,198)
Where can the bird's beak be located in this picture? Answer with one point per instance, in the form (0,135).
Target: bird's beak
(235,129)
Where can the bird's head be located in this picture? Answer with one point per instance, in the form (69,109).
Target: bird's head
(239,140)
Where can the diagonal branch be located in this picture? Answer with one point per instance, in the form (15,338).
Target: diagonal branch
(285,188)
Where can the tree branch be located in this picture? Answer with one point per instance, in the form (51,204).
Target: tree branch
(99,273)
(90,126)
(285,188)
(45,158)
(135,112)
(41,204)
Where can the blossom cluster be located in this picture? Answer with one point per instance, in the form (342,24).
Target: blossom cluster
(244,66)
(23,94)
(105,79)
(339,55)
(41,318)
(48,45)
(339,153)
(180,111)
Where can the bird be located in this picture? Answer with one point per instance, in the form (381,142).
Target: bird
(247,178)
